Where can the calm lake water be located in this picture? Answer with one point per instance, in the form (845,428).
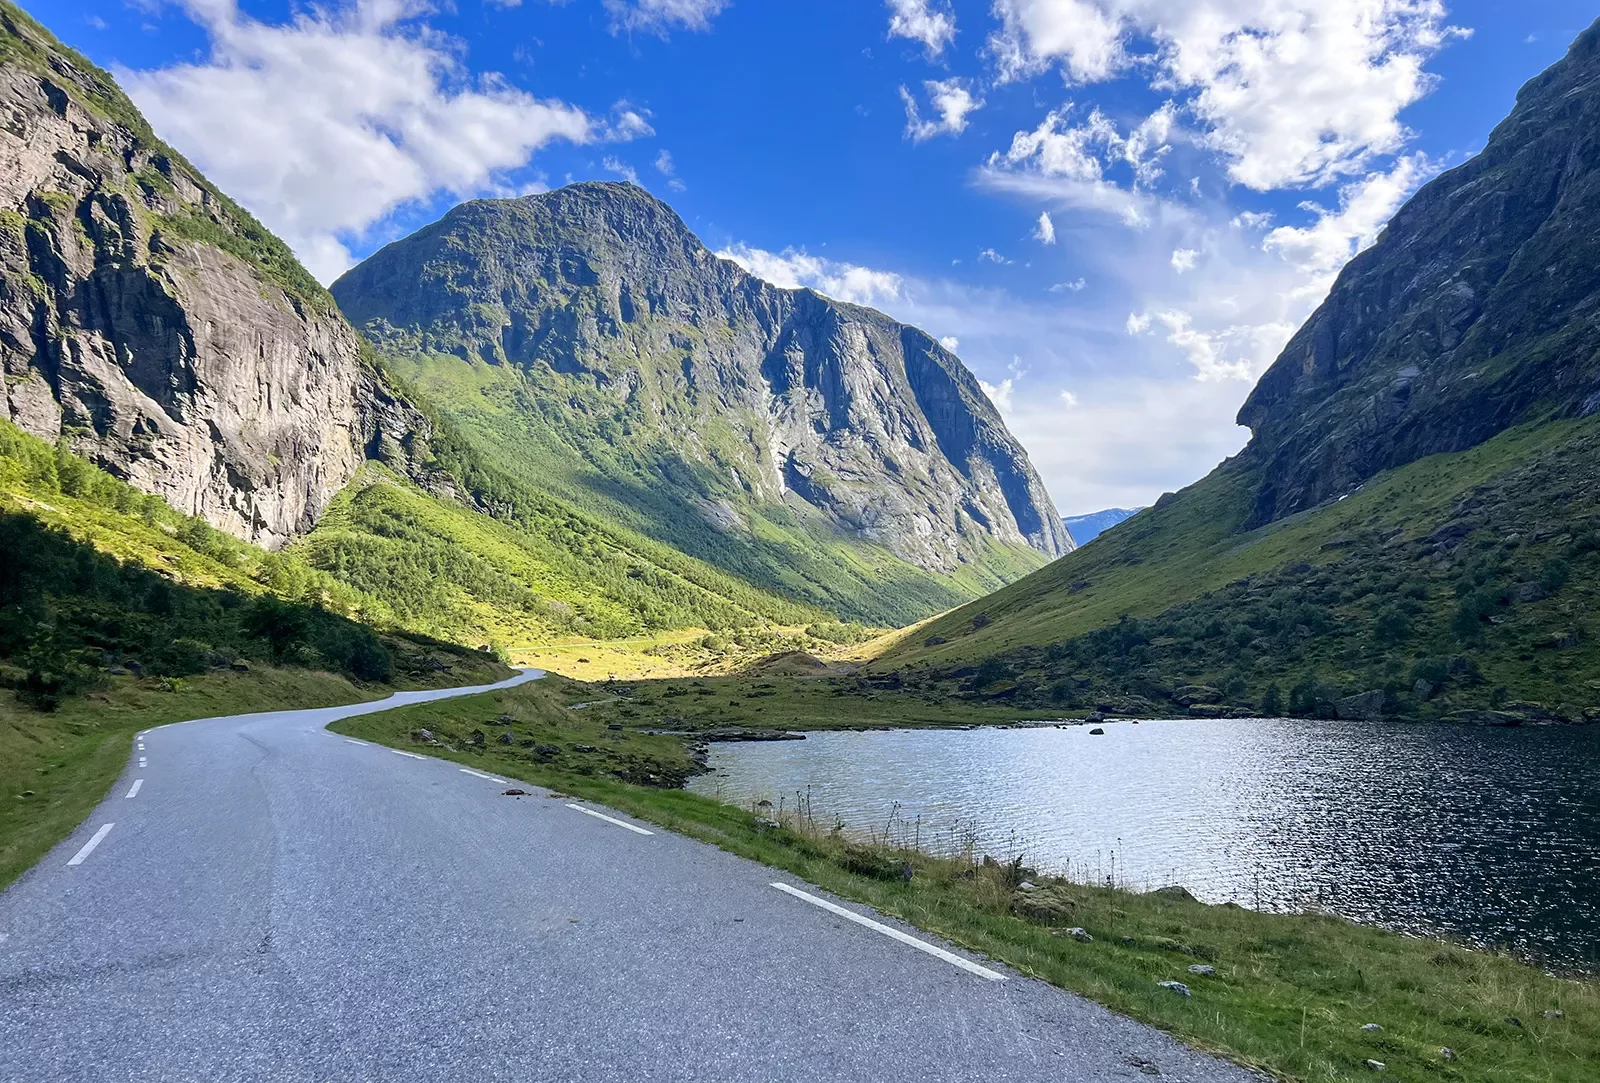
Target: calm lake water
(1486,835)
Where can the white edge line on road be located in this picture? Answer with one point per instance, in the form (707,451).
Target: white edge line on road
(353,741)
(478,774)
(134,791)
(88,847)
(609,819)
(895,934)
(413,755)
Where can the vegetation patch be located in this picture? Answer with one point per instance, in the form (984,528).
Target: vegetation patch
(1462,586)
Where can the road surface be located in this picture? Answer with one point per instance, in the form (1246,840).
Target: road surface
(272,901)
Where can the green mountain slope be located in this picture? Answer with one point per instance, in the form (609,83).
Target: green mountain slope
(153,328)
(591,346)
(1412,528)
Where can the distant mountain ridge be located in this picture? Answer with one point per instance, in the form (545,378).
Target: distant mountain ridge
(586,338)
(1086,528)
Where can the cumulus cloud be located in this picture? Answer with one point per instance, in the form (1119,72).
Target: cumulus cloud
(1289,92)
(1067,162)
(628,123)
(951,343)
(1045,231)
(326,124)
(1183,259)
(989,255)
(999,394)
(660,16)
(925,21)
(1327,244)
(622,169)
(952,101)
(1138,323)
(1069,400)
(795,268)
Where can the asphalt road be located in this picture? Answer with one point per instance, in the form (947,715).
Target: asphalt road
(276,902)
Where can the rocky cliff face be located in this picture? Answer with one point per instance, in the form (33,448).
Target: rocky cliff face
(154,325)
(646,349)
(1478,308)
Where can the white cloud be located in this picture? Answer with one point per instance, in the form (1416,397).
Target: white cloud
(1069,400)
(326,124)
(659,16)
(951,100)
(1138,323)
(669,169)
(620,168)
(795,268)
(629,124)
(1183,259)
(1045,231)
(951,343)
(1326,245)
(1289,92)
(1066,163)
(1069,287)
(925,21)
(989,255)
(999,394)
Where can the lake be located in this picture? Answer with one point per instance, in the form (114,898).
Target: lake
(1491,836)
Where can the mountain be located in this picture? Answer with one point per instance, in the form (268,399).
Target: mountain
(1473,311)
(155,339)
(1414,527)
(592,346)
(1086,528)
(152,322)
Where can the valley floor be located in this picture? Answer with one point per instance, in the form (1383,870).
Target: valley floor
(1290,994)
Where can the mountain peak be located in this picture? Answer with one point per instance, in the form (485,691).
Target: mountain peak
(739,401)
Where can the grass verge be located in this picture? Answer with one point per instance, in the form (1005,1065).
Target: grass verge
(56,767)
(1290,994)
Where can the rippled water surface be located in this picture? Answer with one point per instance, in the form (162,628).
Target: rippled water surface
(1491,835)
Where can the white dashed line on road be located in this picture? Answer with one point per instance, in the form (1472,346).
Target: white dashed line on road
(413,755)
(895,934)
(88,847)
(142,761)
(610,819)
(134,790)
(479,774)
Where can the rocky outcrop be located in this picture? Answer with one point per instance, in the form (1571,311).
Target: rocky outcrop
(1477,308)
(743,394)
(155,326)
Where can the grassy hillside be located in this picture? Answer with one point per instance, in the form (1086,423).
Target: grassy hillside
(1461,582)
(578,441)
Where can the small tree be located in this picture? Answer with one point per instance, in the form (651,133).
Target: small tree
(1272,702)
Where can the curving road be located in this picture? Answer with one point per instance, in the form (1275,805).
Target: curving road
(276,902)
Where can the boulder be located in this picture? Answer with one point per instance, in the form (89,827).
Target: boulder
(1363,706)
(1176,986)
(1190,694)
(1203,970)
(1052,905)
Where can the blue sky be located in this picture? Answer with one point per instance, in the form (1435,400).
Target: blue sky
(1116,211)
